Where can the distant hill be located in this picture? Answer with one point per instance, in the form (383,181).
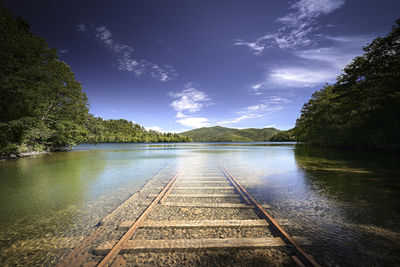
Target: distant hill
(223,134)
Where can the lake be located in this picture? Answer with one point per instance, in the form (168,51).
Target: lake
(347,203)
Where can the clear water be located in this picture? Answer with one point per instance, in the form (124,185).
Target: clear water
(347,203)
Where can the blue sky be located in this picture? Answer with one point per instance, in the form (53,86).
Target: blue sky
(178,65)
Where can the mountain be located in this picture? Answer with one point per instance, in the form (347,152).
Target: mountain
(223,134)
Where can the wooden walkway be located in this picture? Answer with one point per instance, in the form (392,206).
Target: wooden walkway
(199,187)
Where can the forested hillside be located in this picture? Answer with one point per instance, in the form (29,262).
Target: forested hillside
(284,136)
(123,131)
(362,109)
(223,134)
(42,106)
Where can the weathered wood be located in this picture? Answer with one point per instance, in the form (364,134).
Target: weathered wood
(297,261)
(203,182)
(203,195)
(81,253)
(165,195)
(189,224)
(303,256)
(191,244)
(203,187)
(208,205)
(114,251)
(202,177)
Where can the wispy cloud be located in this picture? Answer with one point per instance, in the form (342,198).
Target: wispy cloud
(155,128)
(187,103)
(277,100)
(189,100)
(255,89)
(126,60)
(194,122)
(252,112)
(300,76)
(317,66)
(297,27)
(270,126)
(256,47)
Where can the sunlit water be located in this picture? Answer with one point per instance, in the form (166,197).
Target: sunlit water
(346,203)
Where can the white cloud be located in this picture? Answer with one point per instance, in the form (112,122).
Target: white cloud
(195,122)
(253,46)
(255,89)
(180,115)
(318,65)
(277,99)
(189,100)
(310,9)
(252,112)
(297,26)
(126,61)
(164,73)
(239,119)
(105,36)
(155,128)
(301,76)
(271,126)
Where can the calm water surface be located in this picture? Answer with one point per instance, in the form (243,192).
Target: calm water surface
(347,203)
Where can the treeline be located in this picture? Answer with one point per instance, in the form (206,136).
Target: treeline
(224,134)
(42,106)
(284,136)
(123,131)
(362,109)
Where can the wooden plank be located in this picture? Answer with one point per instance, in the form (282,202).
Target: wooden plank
(297,261)
(81,252)
(191,244)
(202,187)
(303,256)
(203,182)
(200,195)
(213,205)
(205,195)
(203,177)
(189,224)
(114,251)
(208,205)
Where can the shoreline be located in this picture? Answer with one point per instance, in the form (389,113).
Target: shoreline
(23,155)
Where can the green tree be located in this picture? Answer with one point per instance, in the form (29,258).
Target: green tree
(362,108)
(42,106)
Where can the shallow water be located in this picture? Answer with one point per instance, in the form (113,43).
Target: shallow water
(347,203)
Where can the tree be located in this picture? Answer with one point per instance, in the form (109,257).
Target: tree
(42,106)
(362,108)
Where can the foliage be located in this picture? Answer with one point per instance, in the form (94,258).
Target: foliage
(284,136)
(223,134)
(123,131)
(362,108)
(42,106)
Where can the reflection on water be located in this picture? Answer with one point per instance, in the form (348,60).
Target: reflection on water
(346,202)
